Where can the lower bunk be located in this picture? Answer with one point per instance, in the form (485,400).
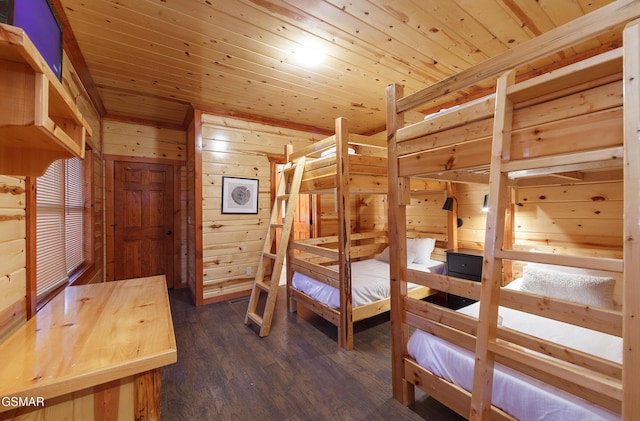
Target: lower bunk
(316,279)
(444,368)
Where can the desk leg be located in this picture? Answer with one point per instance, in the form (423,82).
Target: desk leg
(147,395)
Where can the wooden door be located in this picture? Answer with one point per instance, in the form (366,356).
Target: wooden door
(143,217)
(305,211)
(302,218)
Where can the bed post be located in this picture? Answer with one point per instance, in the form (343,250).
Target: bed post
(398,197)
(631,288)
(345,328)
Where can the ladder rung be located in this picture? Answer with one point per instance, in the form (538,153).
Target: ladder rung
(283,196)
(270,255)
(277,225)
(255,318)
(263,285)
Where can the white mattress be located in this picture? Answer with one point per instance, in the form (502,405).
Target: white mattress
(369,282)
(519,395)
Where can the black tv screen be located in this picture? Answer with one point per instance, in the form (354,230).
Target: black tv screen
(37,19)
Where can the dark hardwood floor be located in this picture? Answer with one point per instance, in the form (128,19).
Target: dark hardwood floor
(225,371)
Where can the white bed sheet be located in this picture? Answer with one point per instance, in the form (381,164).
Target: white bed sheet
(369,282)
(519,395)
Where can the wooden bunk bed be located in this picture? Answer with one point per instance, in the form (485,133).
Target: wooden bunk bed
(326,265)
(579,123)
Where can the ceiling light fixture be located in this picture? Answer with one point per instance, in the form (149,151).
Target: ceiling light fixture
(309,54)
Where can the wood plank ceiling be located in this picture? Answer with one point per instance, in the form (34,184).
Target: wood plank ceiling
(150,59)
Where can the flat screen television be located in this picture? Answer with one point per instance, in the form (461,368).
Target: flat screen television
(39,21)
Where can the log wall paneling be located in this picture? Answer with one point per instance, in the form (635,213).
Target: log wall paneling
(143,141)
(231,243)
(13,280)
(328,214)
(584,220)
(470,201)
(371,213)
(426,218)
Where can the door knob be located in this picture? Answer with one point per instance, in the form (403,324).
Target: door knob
(169,232)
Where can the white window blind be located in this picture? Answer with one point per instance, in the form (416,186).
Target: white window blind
(51,269)
(59,224)
(74,218)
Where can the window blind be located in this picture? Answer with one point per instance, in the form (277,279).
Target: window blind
(51,269)
(60,213)
(74,218)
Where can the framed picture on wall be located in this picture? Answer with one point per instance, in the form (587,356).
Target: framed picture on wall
(239,195)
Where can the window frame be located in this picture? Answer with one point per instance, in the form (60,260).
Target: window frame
(85,270)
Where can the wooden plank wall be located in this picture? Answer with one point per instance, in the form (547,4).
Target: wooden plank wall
(231,244)
(371,212)
(328,214)
(13,277)
(470,201)
(132,140)
(582,220)
(425,218)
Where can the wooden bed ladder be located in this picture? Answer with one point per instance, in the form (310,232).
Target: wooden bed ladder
(286,195)
(499,248)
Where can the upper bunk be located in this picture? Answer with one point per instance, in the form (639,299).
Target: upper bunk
(348,163)
(344,160)
(555,147)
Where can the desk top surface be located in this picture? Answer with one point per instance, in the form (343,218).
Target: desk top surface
(89,335)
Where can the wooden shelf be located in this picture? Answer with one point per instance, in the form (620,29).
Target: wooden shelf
(39,122)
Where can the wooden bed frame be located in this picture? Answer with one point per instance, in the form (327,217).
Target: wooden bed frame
(343,174)
(495,139)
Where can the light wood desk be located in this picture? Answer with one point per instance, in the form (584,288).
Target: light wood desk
(93,352)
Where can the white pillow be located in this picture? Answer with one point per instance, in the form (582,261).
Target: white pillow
(617,291)
(594,291)
(424,247)
(574,270)
(411,254)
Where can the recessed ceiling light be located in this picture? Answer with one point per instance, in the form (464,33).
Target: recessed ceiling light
(310,53)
